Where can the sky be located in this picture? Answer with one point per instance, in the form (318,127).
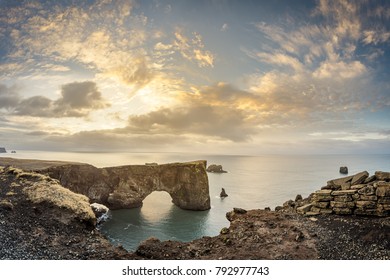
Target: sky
(207,76)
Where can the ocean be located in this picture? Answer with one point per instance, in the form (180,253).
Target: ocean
(252,182)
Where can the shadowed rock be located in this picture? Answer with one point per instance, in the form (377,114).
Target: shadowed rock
(214,168)
(223,193)
(344,170)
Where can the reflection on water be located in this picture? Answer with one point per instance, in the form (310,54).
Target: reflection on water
(158,217)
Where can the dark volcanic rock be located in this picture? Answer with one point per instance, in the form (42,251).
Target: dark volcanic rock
(48,221)
(127,186)
(344,170)
(214,168)
(223,193)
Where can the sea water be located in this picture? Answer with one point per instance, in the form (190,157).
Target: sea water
(252,182)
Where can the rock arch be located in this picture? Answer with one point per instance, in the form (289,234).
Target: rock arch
(127,186)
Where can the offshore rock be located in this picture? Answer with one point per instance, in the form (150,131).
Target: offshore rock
(127,186)
(3,150)
(213,168)
(223,193)
(344,170)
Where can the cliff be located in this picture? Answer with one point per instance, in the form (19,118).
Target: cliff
(40,219)
(127,186)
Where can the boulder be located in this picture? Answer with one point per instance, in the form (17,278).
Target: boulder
(223,193)
(370,179)
(382,176)
(337,183)
(383,189)
(367,190)
(230,216)
(298,198)
(321,205)
(344,192)
(365,204)
(101,212)
(359,178)
(326,211)
(344,170)
(343,198)
(339,204)
(214,168)
(239,211)
(368,197)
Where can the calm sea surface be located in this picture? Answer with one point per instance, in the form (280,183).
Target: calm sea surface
(252,182)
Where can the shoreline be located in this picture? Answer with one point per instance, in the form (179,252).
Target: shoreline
(33,231)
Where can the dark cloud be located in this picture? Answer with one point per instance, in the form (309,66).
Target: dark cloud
(205,120)
(217,111)
(78,100)
(102,140)
(9,97)
(36,106)
(80,95)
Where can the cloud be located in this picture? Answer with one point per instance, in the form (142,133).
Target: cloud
(315,67)
(193,49)
(103,36)
(9,97)
(216,111)
(80,95)
(78,99)
(224,27)
(375,36)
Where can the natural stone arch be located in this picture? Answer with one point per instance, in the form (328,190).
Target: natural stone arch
(186,183)
(127,186)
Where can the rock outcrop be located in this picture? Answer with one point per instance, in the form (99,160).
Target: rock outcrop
(358,194)
(214,168)
(344,170)
(127,186)
(40,219)
(43,193)
(223,193)
(2,150)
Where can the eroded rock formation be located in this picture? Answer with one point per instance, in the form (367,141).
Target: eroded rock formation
(214,168)
(127,186)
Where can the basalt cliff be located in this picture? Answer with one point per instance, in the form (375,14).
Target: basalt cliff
(127,186)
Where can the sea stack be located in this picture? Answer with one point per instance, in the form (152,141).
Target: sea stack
(223,193)
(214,168)
(344,170)
(2,150)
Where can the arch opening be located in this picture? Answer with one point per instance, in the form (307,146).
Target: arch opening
(156,205)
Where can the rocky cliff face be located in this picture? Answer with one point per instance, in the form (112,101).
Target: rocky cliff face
(127,186)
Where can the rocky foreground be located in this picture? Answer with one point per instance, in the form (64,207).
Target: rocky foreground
(40,219)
